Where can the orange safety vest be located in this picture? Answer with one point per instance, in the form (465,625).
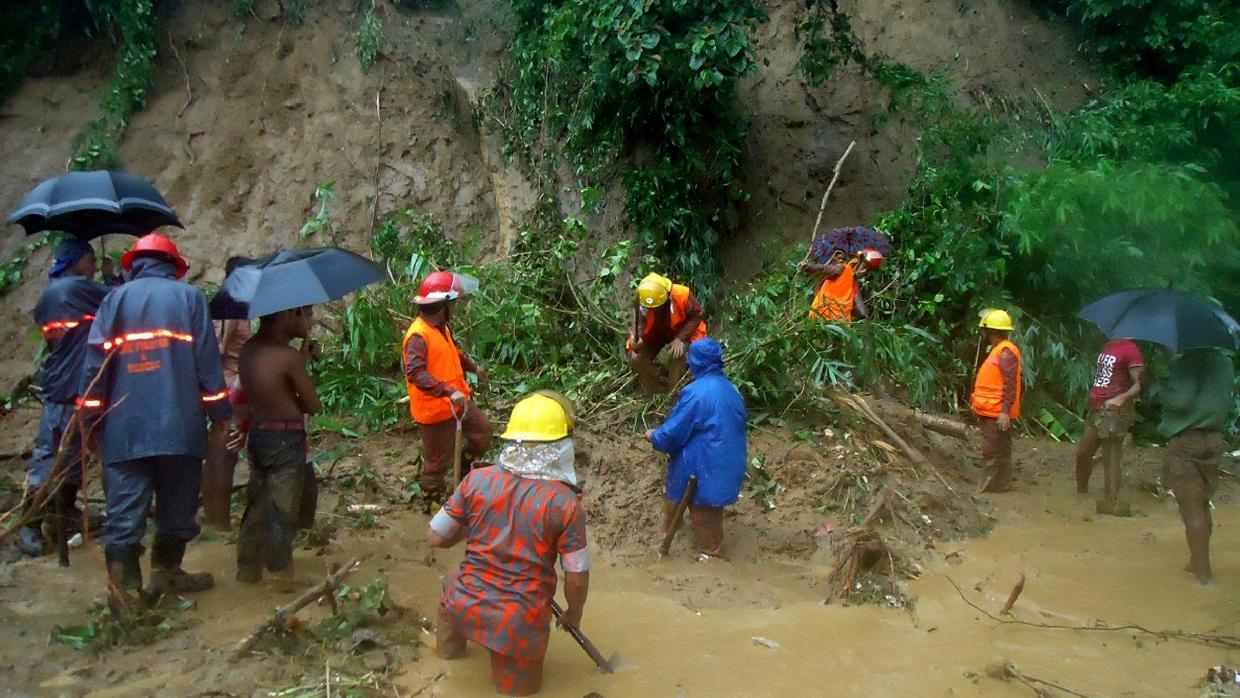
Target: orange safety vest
(835,298)
(444,362)
(988,388)
(679,300)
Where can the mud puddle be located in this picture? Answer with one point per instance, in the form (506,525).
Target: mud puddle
(688,629)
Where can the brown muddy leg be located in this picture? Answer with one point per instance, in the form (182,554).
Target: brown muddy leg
(650,374)
(217,481)
(1198,526)
(449,644)
(1085,458)
(1112,469)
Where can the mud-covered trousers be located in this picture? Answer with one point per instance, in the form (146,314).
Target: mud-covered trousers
(174,483)
(53,423)
(438,444)
(279,496)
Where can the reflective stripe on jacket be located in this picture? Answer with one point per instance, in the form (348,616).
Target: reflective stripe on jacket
(64,313)
(836,297)
(443,361)
(988,387)
(162,377)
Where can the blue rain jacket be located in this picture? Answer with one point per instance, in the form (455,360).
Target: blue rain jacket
(64,314)
(705,433)
(164,378)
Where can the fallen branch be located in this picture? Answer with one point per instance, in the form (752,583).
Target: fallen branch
(1008,670)
(327,587)
(1213,640)
(943,425)
(189,94)
(1011,599)
(858,403)
(839,165)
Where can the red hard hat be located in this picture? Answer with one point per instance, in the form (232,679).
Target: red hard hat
(154,242)
(437,286)
(871,257)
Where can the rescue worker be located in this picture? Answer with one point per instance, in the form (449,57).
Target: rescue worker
(1112,411)
(439,397)
(1197,402)
(665,315)
(516,519)
(221,462)
(705,438)
(840,294)
(279,392)
(996,399)
(160,379)
(64,314)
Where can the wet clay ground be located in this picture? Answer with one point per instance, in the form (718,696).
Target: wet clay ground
(687,629)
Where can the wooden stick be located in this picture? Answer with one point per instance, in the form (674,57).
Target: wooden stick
(823,206)
(283,613)
(583,641)
(859,404)
(1011,599)
(1012,671)
(678,515)
(943,425)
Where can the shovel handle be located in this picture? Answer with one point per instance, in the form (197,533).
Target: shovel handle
(678,515)
(582,640)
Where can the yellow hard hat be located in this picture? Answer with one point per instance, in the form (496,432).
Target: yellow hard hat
(537,418)
(995,319)
(570,412)
(653,290)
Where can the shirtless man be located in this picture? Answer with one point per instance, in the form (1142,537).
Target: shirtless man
(279,392)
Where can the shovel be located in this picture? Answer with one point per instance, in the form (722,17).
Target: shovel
(678,515)
(457,449)
(604,665)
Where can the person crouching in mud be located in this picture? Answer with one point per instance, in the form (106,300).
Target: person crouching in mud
(705,438)
(280,494)
(516,518)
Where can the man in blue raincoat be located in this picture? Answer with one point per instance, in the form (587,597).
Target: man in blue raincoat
(704,437)
(161,380)
(64,314)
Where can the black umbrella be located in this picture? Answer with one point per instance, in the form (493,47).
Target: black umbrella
(291,279)
(1177,320)
(90,204)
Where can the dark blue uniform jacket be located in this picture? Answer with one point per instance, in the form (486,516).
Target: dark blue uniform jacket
(64,314)
(163,378)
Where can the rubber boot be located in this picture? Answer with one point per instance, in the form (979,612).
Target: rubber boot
(167,577)
(30,538)
(67,498)
(125,580)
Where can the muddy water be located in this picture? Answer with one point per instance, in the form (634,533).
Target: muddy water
(1120,570)
(686,629)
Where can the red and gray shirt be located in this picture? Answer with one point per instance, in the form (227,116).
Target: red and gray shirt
(1112,375)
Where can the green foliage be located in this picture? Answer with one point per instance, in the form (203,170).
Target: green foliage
(370,37)
(356,608)
(1160,38)
(29,30)
(322,221)
(130,25)
(106,630)
(242,9)
(295,10)
(655,79)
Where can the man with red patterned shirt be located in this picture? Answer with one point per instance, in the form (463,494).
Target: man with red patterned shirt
(1112,411)
(517,517)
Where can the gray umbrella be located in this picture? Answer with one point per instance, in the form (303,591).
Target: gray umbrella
(291,279)
(1174,319)
(90,204)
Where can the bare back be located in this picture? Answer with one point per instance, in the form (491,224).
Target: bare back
(274,378)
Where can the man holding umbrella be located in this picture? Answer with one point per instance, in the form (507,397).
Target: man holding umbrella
(158,362)
(439,397)
(64,314)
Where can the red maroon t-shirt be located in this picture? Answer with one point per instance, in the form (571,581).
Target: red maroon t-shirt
(1111,376)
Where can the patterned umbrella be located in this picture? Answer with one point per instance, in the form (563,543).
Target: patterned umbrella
(851,240)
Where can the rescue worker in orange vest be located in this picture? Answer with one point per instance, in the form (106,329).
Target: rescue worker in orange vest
(996,399)
(840,295)
(439,398)
(666,315)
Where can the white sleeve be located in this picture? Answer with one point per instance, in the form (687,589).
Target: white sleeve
(576,561)
(444,524)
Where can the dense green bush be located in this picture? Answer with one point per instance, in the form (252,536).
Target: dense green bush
(645,90)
